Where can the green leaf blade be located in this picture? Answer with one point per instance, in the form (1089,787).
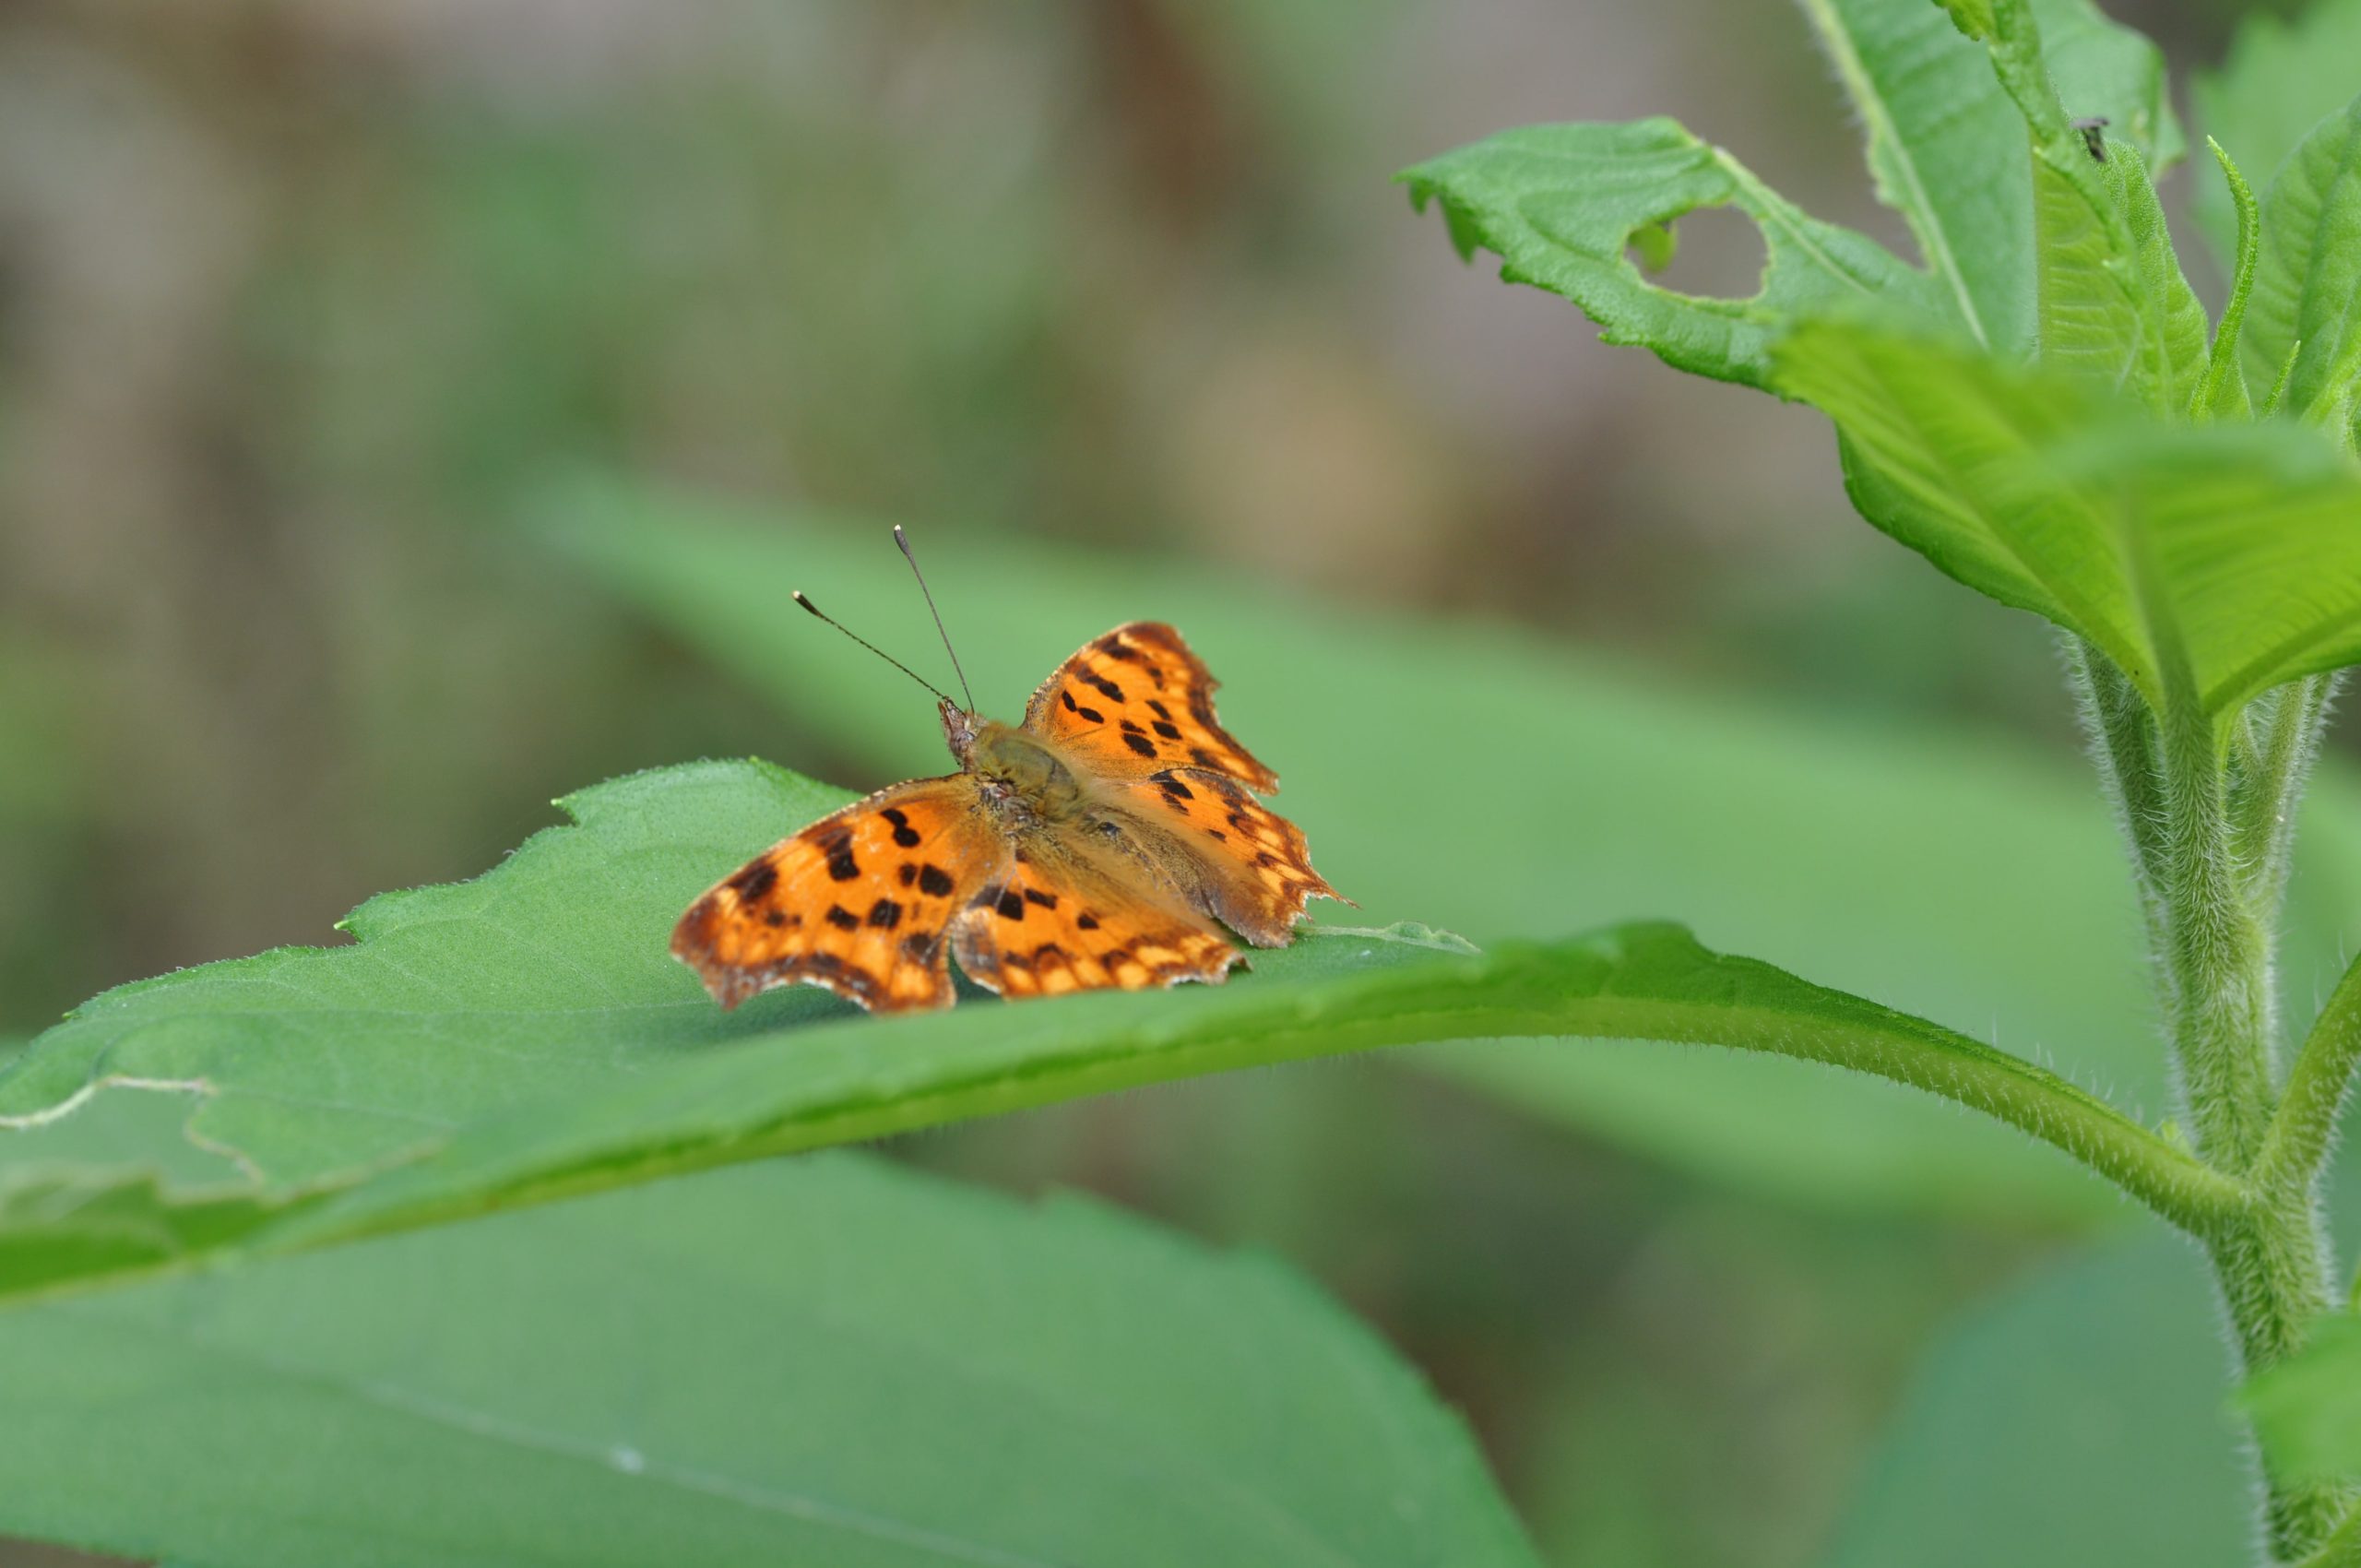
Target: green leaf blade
(2225,394)
(1559,205)
(2307,297)
(1640,982)
(2172,329)
(824,1362)
(1946,147)
(2307,1410)
(2038,489)
(2071,1417)
(474,1051)
(2089,314)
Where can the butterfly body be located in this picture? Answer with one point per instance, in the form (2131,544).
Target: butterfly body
(1091,846)
(1025,781)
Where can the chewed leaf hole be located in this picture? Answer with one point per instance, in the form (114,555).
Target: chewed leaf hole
(1712,253)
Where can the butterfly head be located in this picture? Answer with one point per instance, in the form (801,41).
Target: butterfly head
(959,729)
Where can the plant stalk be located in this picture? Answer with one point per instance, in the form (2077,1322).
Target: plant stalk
(2207,813)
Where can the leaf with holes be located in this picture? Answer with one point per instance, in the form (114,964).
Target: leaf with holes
(1559,205)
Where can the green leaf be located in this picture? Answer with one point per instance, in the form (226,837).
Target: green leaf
(2074,1417)
(819,1361)
(2110,303)
(2225,394)
(1560,205)
(1639,982)
(1947,147)
(2283,77)
(2306,299)
(2307,1410)
(2088,317)
(1431,759)
(525,1036)
(2170,338)
(2046,495)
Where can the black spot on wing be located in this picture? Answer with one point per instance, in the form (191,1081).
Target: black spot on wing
(1158,709)
(1087,920)
(842,918)
(837,846)
(934,882)
(1047,900)
(885,914)
(1105,687)
(1091,714)
(1141,744)
(1066,697)
(755,880)
(1204,758)
(1011,907)
(903,833)
(1170,731)
(909,873)
(920,945)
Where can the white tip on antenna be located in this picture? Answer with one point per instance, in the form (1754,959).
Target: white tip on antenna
(905,543)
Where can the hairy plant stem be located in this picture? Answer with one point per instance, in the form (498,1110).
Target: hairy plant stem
(2217,950)
(2206,813)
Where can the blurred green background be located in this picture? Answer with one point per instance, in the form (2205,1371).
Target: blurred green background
(372,372)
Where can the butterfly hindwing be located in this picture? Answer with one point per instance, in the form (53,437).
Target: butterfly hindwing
(1251,869)
(1044,928)
(861,901)
(1137,701)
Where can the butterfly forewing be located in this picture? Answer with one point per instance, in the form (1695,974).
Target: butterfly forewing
(860,901)
(1137,701)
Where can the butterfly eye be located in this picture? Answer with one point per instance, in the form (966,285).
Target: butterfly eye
(1112,830)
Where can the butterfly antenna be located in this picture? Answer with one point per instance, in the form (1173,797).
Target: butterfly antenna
(869,646)
(936,613)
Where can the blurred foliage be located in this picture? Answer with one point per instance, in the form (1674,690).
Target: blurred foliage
(523,1390)
(2281,79)
(298,302)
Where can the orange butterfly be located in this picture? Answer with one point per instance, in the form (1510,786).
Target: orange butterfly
(1093,846)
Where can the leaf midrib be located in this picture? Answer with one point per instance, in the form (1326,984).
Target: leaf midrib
(1883,130)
